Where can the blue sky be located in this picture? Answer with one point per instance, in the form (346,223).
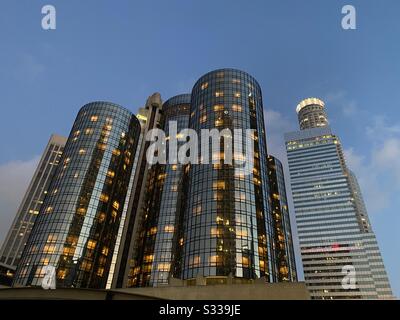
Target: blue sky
(123,51)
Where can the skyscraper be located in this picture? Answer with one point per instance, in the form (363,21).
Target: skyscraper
(128,247)
(283,243)
(158,231)
(339,251)
(226,225)
(78,223)
(211,220)
(28,210)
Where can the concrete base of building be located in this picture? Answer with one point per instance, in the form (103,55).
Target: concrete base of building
(255,291)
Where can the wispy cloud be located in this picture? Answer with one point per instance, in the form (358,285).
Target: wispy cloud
(379,170)
(348,106)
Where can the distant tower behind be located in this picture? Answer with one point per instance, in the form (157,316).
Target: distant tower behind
(311,113)
(334,232)
(29,208)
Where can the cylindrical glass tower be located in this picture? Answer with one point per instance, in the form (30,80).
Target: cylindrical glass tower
(311,113)
(159,228)
(284,252)
(226,224)
(78,222)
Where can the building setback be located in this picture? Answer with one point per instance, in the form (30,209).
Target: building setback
(333,227)
(32,201)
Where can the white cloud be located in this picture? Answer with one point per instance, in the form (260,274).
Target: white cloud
(379,172)
(276,125)
(340,100)
(15,177)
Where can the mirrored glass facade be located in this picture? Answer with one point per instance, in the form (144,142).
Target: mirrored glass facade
(332,222)
(226,227)
(25,218)
(283,243)
(77,225)
(159,227)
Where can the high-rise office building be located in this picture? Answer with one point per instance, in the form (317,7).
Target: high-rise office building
(129,242)
(28,210)
(78,224)
(211,222)
(340,255)
(311,113)
(157,237)
(283,243)
(226,225)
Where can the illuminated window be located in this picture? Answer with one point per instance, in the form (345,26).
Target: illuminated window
(152,231)
(237,94)
(116,205)
(100,271)
(195,261)
(51,238)
(203,119)
(148,258)
(81,211)
(68,251)
(76,133)
(82,151)
(89,131)
(204,86)
(94,118)
(61,274)
(215,260)
(49,249)
(217,166)
(116,152)
(105,251)
(111,174)
(102,217)
(169,228)
(219,94)
(49,209)
(163,266)
(91,244)
(218,107)
(219,122)
(219,185)
(215,232)
(236,108)
(241,233)
(161,176)
(245,262)
(104,197)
